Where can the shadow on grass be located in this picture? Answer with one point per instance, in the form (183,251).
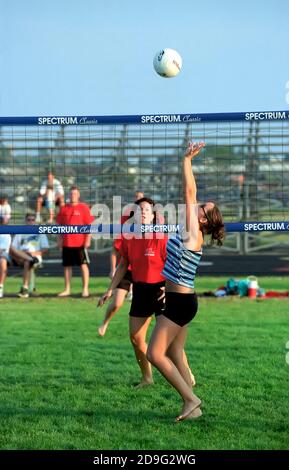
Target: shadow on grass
(54,296)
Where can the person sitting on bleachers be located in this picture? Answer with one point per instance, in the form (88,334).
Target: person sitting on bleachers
(51,194)
(35,245)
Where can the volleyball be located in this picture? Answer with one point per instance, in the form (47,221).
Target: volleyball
(167,63)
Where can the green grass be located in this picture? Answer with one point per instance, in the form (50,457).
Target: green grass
(63,387)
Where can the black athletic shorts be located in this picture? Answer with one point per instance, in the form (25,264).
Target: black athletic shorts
(180,308)
(145,299)
(126,281)
(74,256)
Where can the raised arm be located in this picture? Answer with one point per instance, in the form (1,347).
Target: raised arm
(189,184)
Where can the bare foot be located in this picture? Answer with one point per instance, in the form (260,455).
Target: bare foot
(197,413)
(85,294)
(188,408)
(65,293)
(144,383)
(102,329)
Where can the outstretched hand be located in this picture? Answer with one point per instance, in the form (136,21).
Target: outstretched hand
(104,298)
(193,149)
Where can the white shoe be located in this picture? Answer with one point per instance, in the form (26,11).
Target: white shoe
(1,292)
(38,218)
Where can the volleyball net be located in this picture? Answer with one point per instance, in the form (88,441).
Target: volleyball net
(244,167)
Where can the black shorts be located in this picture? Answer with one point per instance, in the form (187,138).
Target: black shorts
(74,256)
(45,201)
(145,299)
(126,281)
(180,308)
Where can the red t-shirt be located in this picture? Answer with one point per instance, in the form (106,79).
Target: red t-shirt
(78,214)
(146,257)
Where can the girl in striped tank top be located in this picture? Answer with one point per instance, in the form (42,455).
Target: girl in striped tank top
(184,252)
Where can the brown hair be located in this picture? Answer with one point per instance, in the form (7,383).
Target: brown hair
(214,226)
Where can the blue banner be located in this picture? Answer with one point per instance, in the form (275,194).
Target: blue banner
(115,229)
(145,119)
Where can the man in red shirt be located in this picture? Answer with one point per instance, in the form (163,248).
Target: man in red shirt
(74,246)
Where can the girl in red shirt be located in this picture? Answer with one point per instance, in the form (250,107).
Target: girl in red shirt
(146,257)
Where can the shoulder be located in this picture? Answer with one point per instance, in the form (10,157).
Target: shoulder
(84,206)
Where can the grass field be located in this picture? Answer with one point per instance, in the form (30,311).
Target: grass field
(63,387)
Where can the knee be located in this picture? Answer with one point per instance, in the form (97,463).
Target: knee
(152,356)
(136,340)
(116,306)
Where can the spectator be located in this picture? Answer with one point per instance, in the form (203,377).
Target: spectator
(51,194)
(35,245)
(5,209)
(5,242)
(74,246)
(5,251)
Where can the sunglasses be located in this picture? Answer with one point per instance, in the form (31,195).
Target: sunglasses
(30,219)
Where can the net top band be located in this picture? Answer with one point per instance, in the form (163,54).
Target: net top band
(145,119)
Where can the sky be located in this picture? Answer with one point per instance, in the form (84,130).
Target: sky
(95,57)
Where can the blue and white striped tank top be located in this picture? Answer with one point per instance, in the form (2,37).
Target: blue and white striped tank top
(181,264)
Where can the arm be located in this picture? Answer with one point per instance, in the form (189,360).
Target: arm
(60,242)
(113,261)
(119,273)
(87,220)
(87,241)
(189,184)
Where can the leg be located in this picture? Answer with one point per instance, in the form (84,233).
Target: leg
(85,279)
(180,359)
(138,327)
(129,293)
(39,203)
(51,215)
(192,377)
(32,287)
(67,280)
(3,274)
(26,274)
(59,200)
(178,356)
(114,306)
(164,334)
(19,255)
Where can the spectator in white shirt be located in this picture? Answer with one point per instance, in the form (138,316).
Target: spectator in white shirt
(34,245)
(51,194)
